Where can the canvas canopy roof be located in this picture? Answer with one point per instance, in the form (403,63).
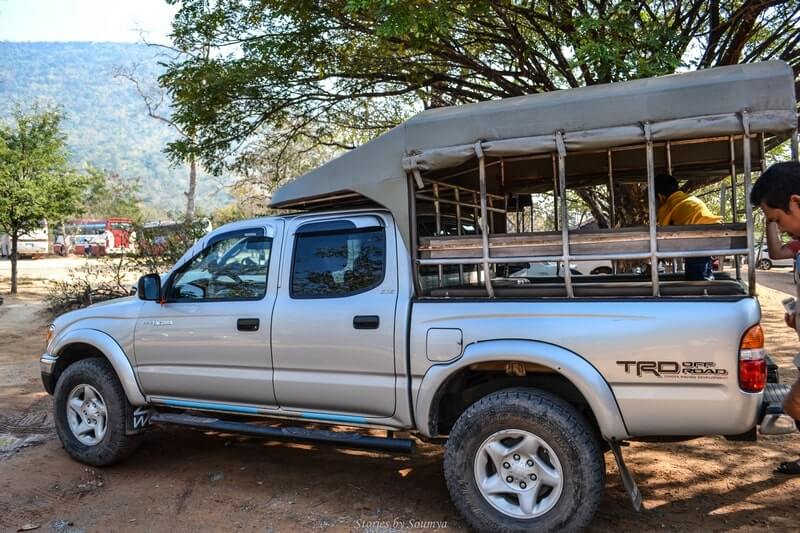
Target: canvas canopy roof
(688,105)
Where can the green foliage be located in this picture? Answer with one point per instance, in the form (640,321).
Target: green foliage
(255,77)
(230,213)
(110,195)
(158,249)
(105,120)
(36,180)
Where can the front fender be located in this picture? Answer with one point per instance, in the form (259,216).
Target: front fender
(112,351)
(572,366)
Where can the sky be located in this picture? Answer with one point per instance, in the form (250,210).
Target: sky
(85,20)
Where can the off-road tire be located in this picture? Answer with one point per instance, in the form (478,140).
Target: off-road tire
(115,444)
(560,426)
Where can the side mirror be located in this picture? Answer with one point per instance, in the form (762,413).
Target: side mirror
(149,288)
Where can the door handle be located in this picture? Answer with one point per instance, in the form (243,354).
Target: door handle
(247,324)
(366,321)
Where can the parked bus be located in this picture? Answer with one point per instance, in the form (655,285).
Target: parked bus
(35,243)
(100,237)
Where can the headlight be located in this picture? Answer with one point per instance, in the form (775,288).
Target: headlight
(51,329)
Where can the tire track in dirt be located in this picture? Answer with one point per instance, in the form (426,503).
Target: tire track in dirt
(30,507)
(37,420)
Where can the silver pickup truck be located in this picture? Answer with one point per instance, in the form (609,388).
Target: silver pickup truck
(347,313)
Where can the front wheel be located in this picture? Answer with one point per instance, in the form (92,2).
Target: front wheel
(90,407)
(765,264)
(524,460)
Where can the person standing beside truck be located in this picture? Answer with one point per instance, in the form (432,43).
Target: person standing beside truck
(775,246)
(5,245)
(677,208)
(777,193)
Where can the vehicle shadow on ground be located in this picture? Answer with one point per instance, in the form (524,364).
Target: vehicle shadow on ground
(349,487)
(188,480)
(730,485)
(343,487)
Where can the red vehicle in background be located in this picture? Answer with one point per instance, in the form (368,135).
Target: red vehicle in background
(99,237)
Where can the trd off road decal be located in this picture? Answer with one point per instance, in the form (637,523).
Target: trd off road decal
(675,369)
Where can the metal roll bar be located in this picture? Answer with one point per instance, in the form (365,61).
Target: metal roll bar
(483,207)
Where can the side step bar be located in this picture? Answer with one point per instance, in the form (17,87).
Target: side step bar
(296,434)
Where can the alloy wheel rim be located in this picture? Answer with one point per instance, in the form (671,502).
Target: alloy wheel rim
(87,414)
(518,473)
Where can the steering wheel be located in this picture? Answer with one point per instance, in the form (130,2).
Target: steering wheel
(223,291)
(234,276)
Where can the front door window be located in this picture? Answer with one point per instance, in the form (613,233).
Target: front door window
(232,268)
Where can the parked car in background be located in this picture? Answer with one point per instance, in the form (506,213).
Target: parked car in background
(593,268)
(765,262)
(552,269)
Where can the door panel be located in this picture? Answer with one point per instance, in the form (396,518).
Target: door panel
(194,346)
(326,359)
(188,350)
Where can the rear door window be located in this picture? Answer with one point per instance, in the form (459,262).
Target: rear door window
(337,263)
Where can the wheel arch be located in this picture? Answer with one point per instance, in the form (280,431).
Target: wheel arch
(556,370)
(87,343)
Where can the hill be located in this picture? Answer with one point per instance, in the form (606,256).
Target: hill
(106,121)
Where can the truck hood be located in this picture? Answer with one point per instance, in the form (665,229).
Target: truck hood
(119,308)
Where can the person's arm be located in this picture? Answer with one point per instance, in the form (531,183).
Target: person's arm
(777,250)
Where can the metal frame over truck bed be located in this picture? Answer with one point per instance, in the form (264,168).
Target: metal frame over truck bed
(478,164)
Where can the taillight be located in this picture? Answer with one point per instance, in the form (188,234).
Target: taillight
(752,360)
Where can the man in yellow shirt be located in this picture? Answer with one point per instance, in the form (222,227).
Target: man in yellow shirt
(676,208)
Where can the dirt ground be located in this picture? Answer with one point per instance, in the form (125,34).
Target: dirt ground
(185,480)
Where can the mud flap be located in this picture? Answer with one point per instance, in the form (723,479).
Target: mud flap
(137,419)
(625,474)
(772,420)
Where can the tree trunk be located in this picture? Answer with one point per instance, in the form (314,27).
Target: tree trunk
(630,209)
(630,205)
(192,189)
(14,241)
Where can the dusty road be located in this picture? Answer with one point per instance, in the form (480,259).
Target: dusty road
(184,480)
(779,279)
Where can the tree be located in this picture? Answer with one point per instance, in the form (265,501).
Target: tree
(36,181)
(111,195)
(304,69)
(153,98)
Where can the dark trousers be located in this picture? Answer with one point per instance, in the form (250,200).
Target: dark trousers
(698,269)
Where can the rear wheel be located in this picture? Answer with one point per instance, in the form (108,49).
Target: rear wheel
(522,460)
(765,264)
(601,271)
(90,409)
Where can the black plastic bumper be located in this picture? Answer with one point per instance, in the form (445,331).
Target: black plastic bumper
(48,366)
